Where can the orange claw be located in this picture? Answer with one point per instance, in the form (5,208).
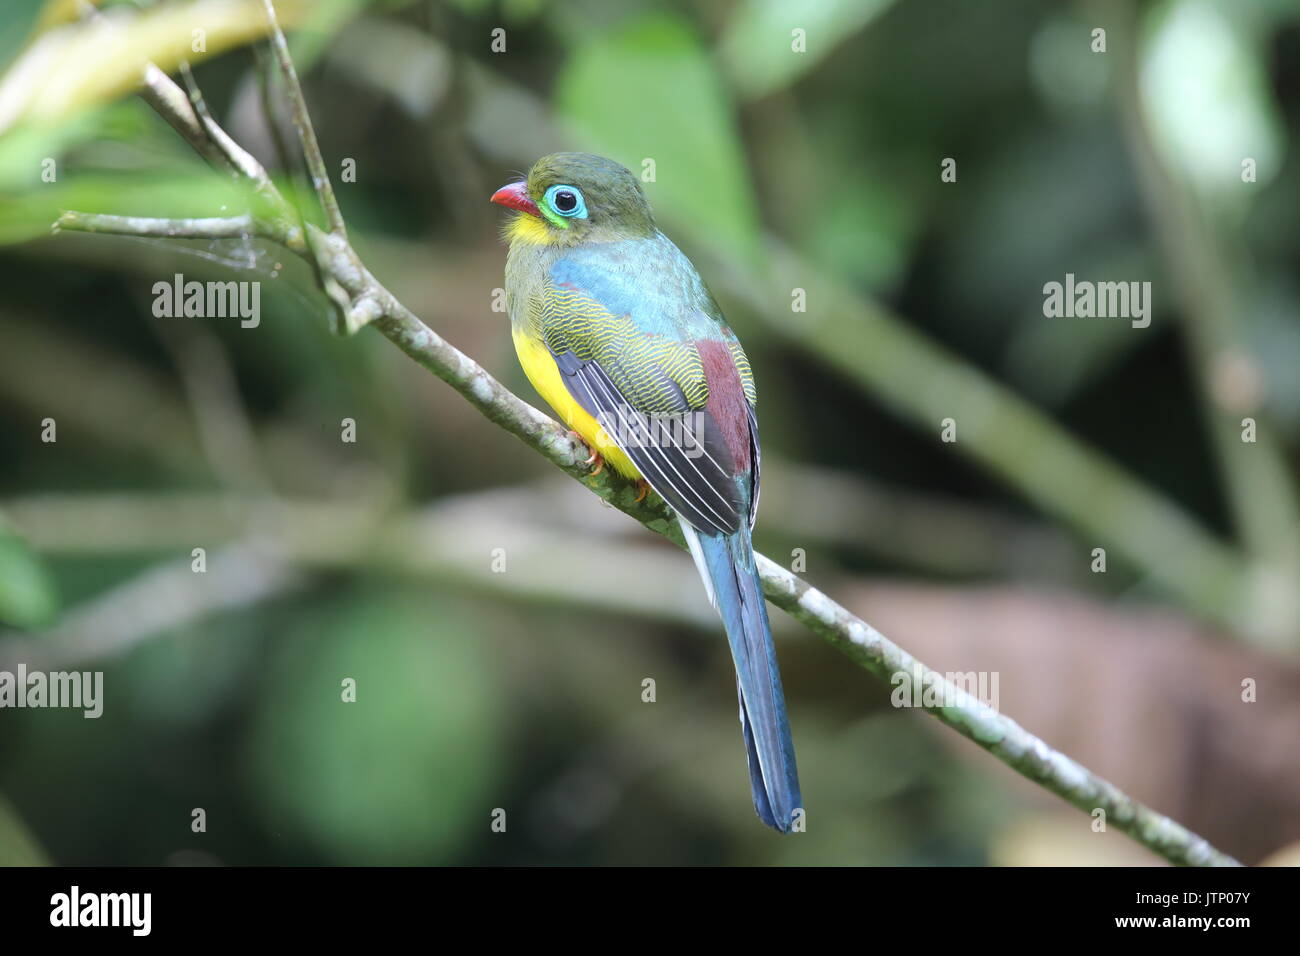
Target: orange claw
(645,490)
(595,457)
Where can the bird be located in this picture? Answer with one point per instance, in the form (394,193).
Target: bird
(616,330)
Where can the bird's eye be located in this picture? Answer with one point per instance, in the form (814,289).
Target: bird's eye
(567,201)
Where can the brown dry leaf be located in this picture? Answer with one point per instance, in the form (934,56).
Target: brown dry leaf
(1145,697)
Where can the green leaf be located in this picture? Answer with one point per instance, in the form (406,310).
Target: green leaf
(31,215)
(759,47)
(649,91)
(79,65)
(401,775)
(317,28)
(18,845)
(1206,91)
(27,595)
(16,26)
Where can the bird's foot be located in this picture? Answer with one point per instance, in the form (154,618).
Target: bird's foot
(645,490)
(594,458)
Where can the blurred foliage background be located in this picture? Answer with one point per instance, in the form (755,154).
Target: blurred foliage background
(775,170)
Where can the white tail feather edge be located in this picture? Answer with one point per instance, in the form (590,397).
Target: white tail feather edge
(693,543)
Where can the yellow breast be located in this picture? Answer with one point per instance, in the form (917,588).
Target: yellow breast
(542,371)
(528,229)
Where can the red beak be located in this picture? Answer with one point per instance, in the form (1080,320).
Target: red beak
(516,197)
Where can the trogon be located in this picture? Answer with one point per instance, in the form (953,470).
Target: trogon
(616,330)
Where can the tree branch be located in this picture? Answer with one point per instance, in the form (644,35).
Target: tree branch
(363,299)
(230,227)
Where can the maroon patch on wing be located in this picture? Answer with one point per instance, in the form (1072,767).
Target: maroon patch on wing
(726,399)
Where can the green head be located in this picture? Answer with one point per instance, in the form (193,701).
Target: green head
(576,197)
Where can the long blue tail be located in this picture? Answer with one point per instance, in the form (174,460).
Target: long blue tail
(739,596)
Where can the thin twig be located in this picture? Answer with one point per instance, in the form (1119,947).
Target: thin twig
(264,69)
(320,179)
(227,227)
(171,103)
(197,101)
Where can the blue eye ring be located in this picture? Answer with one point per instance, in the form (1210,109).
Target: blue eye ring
(561,195)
